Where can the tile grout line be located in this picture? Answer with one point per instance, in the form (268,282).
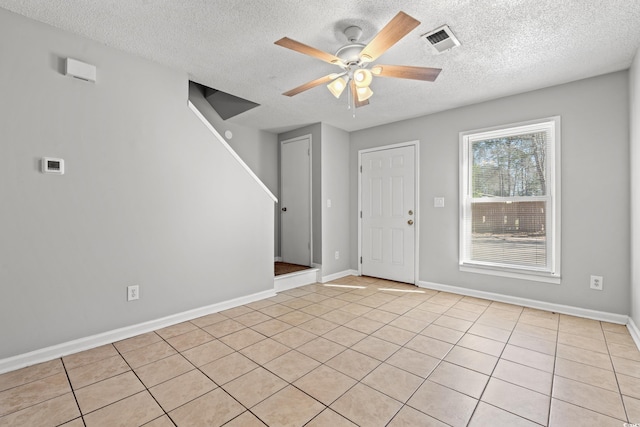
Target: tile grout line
(590,366)
(291,383)
(484,389)
(36,380)
(143,384)
(553,373)
(66,372)
(203,373)
(42,401)
(403,404)
(357,381)
(426,378)
(615,373)
(443,357)
(221,386)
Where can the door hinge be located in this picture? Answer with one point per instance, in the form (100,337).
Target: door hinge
(360,260)
(360,214)
(308,151)
(360,168)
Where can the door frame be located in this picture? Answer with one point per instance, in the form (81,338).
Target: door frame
(299,138)
(416,188)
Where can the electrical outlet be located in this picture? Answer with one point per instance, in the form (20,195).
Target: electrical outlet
(596,283)
(337,254)
(133,292)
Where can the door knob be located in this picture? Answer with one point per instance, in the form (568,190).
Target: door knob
(284,209)
(410,222)
(410,212)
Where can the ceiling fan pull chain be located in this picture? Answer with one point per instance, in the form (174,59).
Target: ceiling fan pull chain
(352,101)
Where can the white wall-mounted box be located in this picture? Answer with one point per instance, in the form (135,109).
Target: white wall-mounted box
(80,70)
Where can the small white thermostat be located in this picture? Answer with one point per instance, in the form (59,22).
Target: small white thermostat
(51,165)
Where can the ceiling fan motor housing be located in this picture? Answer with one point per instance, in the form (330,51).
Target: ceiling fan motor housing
(349,54)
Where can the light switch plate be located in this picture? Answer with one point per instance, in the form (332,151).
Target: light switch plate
(438,202)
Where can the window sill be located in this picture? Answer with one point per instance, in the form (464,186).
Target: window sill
(540,277)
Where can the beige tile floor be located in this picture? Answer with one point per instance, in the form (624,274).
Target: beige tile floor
(367,352)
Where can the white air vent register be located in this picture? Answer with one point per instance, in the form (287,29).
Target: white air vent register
(442,39)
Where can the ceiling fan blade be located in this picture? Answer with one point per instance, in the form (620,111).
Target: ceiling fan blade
(397,28)
(311,84)
(308,50)
(354,96)
(406,72)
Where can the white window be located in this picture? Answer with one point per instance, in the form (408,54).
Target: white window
(510,200)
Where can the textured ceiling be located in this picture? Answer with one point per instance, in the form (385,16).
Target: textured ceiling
(508,47)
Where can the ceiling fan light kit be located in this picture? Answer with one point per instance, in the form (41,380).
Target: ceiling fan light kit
(337,86)
(364,93)
(354,58)
(362,77)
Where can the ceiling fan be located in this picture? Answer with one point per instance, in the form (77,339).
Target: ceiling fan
(354,59)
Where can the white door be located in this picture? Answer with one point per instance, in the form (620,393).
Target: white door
(388,213)
(295,200)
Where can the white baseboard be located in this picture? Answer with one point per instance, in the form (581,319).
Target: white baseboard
(296,279)
(338,275)
(541,305)
(86,343)
(319,272)
(635,333)
(277,259)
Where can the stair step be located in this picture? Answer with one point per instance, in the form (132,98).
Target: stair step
(296,279)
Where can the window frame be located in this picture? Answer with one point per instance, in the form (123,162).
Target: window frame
(550,274)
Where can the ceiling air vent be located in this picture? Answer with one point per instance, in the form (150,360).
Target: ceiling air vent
(442,39)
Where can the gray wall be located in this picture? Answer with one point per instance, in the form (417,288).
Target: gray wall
(257,148)
(634,92)
(595,189)
(144,201)
(335,187)
(315,131)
